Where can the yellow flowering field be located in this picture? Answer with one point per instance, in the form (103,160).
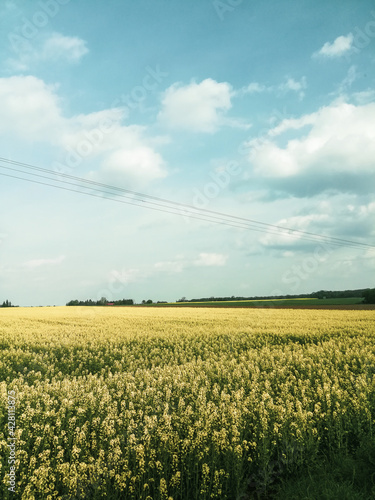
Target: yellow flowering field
(147,403)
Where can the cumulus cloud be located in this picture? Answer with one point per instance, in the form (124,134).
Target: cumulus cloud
(31,111)
(342,216)
(294,86)
(32,264)
(126,276)
(54,48)
(286,239)
(253,88)
(369,259)
(180,263)
(335,153)
(69,48)
(211,259)
(340,46)
(364,97)
(29,108)
(134,164)
(198,107)
(171,266)
(289,85)
(348,81)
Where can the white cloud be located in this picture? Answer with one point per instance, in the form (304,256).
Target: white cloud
(171,266)
(348,81)
(369,259)
(69,48)
(136,164)
(199,107)
(125,276)
(333,216)
(32,264)
(337,152)
(252,88)
(364,97)
(180,263)
(292,124)
(294,86)
(290,85)
(29,108)
(211,259)
(340,46)
(31,111)
(54,48)
(280,238)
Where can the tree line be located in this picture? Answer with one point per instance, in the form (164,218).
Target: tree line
(366,293)
(101,302)
(7,303)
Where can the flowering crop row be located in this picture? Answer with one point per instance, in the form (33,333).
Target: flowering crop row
(141,403)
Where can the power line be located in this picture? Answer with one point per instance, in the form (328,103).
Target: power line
(173,203)
(194,215)
(209,217)
(164,205)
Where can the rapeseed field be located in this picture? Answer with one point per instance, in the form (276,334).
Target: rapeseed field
(147,403)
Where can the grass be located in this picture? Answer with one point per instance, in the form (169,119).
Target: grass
(341,477)
(267,303)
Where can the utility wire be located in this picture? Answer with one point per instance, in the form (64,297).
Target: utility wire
(189,207)
(191,215)
(334,241)
(167,206)
(194,215)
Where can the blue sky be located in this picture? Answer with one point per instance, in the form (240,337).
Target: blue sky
(264,110)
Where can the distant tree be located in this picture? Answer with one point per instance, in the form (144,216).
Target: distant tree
(319,295)
(149,301)
(124,302)
(73,303)
(7,303)
(103,301)
(369,296)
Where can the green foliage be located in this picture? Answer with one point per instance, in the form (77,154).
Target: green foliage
(369,296)
(102,302)
(341,476)
(321,294)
